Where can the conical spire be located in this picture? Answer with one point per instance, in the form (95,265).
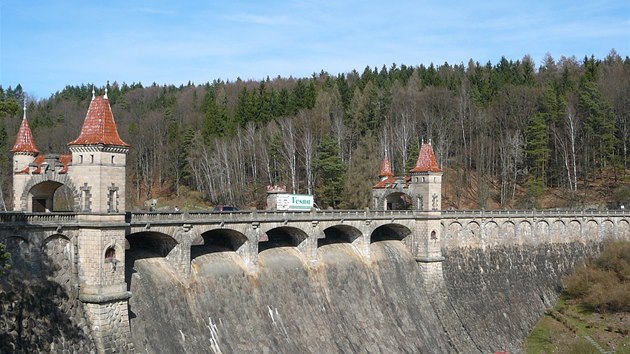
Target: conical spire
(24,141)
(99,127)
(386,168)
(426,160)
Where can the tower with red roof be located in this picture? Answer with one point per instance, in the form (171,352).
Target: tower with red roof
(95,175)
(24,155)
(99,158)
(420,190)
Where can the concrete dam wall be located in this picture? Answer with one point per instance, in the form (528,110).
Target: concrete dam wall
(497,275)
(488,301)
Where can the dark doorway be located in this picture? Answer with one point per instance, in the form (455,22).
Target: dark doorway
(39,205)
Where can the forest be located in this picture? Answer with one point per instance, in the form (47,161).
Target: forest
(505,133)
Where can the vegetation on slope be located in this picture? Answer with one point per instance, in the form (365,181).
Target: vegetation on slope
(506,132)
(593,315)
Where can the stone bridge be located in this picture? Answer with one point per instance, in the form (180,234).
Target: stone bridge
(180,237)
(87,251)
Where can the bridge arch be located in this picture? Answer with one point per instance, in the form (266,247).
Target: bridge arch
(38,194)
(391,231)
(339,234)
(608,229)
(151,244)
(283,236)
(217,240)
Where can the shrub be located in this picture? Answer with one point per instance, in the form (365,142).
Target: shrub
(603,284)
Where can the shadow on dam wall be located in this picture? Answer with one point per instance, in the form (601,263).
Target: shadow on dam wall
(489,300)
(339,304)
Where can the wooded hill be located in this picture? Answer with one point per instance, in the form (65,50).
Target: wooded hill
(507,131)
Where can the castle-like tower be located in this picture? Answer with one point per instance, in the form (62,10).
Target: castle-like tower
(94,172)
(421,190)
(95,175)
(99,158)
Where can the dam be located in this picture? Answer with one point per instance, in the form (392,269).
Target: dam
(320,282)
(401,276)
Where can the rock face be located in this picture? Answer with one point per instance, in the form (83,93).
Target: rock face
(38,315)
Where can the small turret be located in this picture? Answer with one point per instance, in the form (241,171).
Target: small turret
(386,169)
(24,154)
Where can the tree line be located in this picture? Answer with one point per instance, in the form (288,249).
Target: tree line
(502,127)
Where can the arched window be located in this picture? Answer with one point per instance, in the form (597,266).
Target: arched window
(110,254)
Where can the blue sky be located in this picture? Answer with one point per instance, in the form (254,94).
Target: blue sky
(46,45)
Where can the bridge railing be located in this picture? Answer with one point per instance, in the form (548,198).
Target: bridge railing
(38,218)
(449,214)
(192,216)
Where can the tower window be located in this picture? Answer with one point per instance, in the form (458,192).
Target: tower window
(80,158)
(91,158)
(113,159)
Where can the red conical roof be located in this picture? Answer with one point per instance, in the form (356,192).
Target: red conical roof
(386,169)
(24,141)
(426,160)
(99,126)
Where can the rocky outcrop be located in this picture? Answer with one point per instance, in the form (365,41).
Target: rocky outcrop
(40,316)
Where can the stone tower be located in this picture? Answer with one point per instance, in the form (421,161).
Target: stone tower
(421,190)
(99,159)
(425,186)
(24,154)
(98,172)
(95,175)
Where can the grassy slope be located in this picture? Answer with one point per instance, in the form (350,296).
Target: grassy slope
(568,328)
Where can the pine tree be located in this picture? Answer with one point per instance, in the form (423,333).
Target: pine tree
(331,173)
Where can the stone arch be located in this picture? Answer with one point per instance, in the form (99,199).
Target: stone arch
(52,179)
(542,230)
(623,230)
(217,240)
(508,231)
(558,229)
(390,232)
(574,230)
(472,231)
(454,230)
(491,232)
(283,236)
(398,201)
(524,231)
(151,244)
(339,234)
(591,229)
(58,260)
(608,229)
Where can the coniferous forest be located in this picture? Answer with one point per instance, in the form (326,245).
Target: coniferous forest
(504,132)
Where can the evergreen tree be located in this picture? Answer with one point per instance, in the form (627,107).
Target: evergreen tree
(331,173)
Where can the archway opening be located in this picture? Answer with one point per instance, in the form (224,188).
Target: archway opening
(150,244)
(398,201)
(50,196)
(339,234)
(282,237)
(213,241)
(389,232)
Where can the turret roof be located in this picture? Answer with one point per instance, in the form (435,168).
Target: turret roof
(99,126)
(426,160)
(386,169)
(24,141)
